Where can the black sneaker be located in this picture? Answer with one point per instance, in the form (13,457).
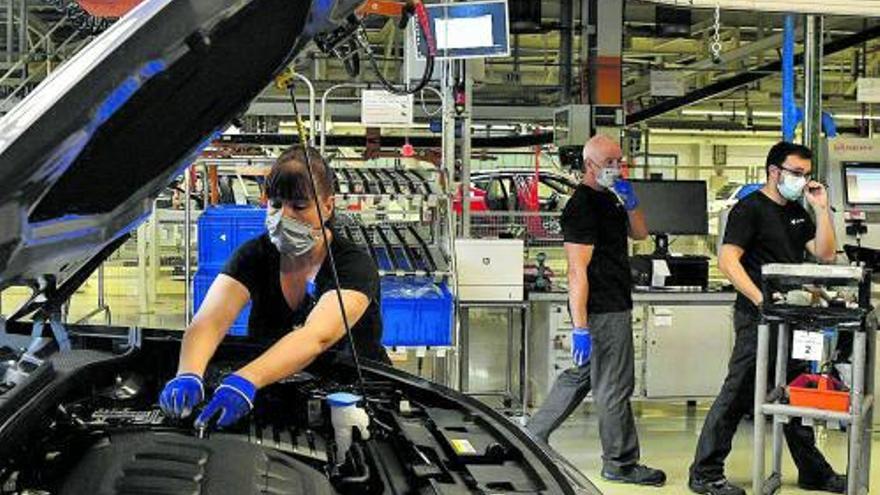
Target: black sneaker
(717,487)
(636,475)
(836,483)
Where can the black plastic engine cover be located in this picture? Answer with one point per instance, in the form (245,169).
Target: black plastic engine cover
(172,464)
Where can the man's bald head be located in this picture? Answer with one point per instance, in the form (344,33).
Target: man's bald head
(601,148)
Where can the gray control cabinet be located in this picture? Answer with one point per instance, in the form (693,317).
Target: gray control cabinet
(687,348)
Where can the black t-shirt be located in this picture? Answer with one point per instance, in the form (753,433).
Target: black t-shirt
(257,265)
(597,218)
(768,233)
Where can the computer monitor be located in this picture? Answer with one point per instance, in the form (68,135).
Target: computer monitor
(861,183)
(468,30)
(673,207)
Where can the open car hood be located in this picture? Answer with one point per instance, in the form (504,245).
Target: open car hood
(81,160)
(83,156)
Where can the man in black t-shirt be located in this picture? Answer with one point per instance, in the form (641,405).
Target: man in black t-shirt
(596,221)
(768,226)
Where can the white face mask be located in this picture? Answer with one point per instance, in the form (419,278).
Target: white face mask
(607,176)
(290,236)
(791,187)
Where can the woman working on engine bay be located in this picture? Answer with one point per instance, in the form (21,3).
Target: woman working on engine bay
(288,277)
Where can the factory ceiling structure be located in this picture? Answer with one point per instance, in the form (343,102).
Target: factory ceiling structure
(361,193)
(739,89)
(867,8)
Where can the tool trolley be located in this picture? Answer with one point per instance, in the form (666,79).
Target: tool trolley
(800,299)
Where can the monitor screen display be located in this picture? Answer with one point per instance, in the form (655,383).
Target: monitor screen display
(677,207)
(861,183)
(466,30)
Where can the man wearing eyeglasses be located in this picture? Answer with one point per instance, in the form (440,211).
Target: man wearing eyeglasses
(601,214)
(768,226)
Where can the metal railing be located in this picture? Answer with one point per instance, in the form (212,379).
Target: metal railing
(20,64)
(45,41)
(531,226)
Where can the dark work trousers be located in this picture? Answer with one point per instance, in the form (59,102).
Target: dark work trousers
(611,374)
(737,397)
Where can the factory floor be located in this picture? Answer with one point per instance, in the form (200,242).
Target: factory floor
(668,431)
(668,435)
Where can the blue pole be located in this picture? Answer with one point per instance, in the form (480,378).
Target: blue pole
(828,125)
(789,106)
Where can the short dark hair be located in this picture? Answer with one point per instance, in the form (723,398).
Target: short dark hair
(782,150)
(288,181)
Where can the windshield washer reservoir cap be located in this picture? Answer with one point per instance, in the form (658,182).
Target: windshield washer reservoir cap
(342,399)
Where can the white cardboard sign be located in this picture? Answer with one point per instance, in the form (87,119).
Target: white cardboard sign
(381,108)
(868,90)
(666,83)
(808,346)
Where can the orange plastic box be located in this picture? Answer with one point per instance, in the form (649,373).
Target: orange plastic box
(824,397)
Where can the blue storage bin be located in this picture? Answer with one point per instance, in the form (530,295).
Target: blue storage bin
(201,283)
(416,312)
(223,228)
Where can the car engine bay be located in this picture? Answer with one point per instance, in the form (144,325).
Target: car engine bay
(91,424)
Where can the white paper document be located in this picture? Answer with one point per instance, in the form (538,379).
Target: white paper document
(458,33)
(659,272)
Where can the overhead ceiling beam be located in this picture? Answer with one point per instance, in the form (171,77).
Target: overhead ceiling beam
(863,8)
(345,111)
(744,78)
(643,85)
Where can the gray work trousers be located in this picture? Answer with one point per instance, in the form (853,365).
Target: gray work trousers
(612,375)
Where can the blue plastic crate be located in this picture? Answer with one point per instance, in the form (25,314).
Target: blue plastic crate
(201,283)
(416,312)
(223,228)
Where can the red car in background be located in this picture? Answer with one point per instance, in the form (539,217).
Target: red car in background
(512,190)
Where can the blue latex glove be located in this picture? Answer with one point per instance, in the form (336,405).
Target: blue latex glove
(581,346)
(181,395)
(232,400)
(624,190)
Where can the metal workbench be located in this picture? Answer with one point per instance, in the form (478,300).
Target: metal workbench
(663,297)
(662,320)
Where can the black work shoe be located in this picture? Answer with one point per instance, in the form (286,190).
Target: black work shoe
(836,483)
(636,475)
(717,487)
